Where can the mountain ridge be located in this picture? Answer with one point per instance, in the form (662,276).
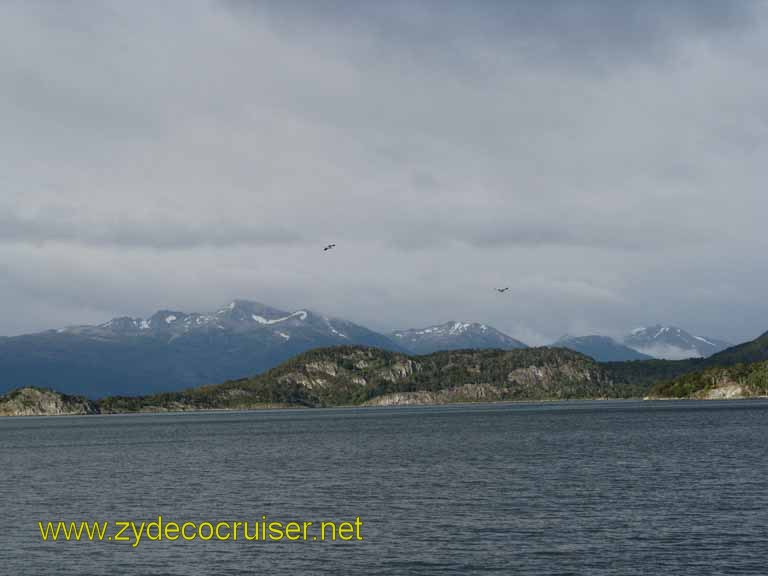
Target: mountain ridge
(600,348)
(453,335)
(171,349)
(672,343)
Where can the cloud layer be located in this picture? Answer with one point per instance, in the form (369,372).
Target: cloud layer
(604,160)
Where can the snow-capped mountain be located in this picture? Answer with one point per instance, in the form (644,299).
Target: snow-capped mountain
(238,316)
(600,348)
(454,336)
(672,343)
(172,349)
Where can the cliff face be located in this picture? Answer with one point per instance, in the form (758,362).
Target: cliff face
(40,402)
(466,393)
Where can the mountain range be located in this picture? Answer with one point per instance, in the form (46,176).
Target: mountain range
(355,375)
(172,350)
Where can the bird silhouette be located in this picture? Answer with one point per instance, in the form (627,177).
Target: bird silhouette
(502,290)
(329,247)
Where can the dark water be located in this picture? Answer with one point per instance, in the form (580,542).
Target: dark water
(567,488)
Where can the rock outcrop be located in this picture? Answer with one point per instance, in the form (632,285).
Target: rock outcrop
(31,401)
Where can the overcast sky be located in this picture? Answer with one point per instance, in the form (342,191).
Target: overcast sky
(607,161)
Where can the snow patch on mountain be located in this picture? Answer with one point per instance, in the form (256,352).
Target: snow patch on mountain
(333,330)
(262,325)
(672,343)
(300,314)
(454,335)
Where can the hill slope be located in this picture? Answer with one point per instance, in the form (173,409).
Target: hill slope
(357,375)
(753,351)
(736,381)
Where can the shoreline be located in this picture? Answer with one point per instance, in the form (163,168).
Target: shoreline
(383,406)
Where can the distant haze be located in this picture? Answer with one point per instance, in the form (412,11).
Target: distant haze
(605,160)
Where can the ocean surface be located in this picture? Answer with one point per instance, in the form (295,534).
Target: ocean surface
(625,487)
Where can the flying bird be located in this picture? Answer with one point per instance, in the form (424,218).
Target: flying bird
(329,247)
(502,290)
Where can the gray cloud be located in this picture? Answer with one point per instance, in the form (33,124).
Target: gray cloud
(584,32)
(604,160)
(129,231)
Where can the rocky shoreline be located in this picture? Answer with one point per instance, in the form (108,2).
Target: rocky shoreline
(41,402)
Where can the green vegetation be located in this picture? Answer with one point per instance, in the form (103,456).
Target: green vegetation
(742,365)
(642,374)
(351,375)
(355,375)
(751,378)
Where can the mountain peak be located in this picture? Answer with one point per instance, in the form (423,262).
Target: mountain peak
(453,335)
(123,324)
(454,327)
(672,343)
(166,318)
(244,308)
